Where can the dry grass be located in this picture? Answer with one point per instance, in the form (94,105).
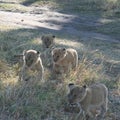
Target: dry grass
(43,100)
(35,100)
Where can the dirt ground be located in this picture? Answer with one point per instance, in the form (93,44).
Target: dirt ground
(44,17)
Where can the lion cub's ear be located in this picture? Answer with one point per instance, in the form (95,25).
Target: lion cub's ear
(53,36)
(71,86)
(38,53)
(64,49)
(24,52)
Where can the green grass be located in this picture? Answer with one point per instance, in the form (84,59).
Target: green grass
(97,8)
(105,8)
(111,28)
(100,7)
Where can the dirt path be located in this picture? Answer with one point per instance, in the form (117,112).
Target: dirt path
(51,20)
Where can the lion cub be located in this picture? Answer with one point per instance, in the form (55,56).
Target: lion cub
(64,60)
(48,41)
(31,61)
(89,98)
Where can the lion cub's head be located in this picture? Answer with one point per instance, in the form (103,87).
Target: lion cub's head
(76,94)
(58,54)
(48,40)
(30,57)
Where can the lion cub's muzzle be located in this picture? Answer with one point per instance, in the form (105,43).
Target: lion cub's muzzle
(29,62)
(55,59)
(48,45)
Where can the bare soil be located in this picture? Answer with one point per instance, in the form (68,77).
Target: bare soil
(44,17)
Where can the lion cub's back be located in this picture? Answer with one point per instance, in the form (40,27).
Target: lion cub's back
(72,52)
(99,93)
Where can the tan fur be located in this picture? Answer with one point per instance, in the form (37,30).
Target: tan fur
(90,99)
(47,41)
(32,61)
(64,60)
